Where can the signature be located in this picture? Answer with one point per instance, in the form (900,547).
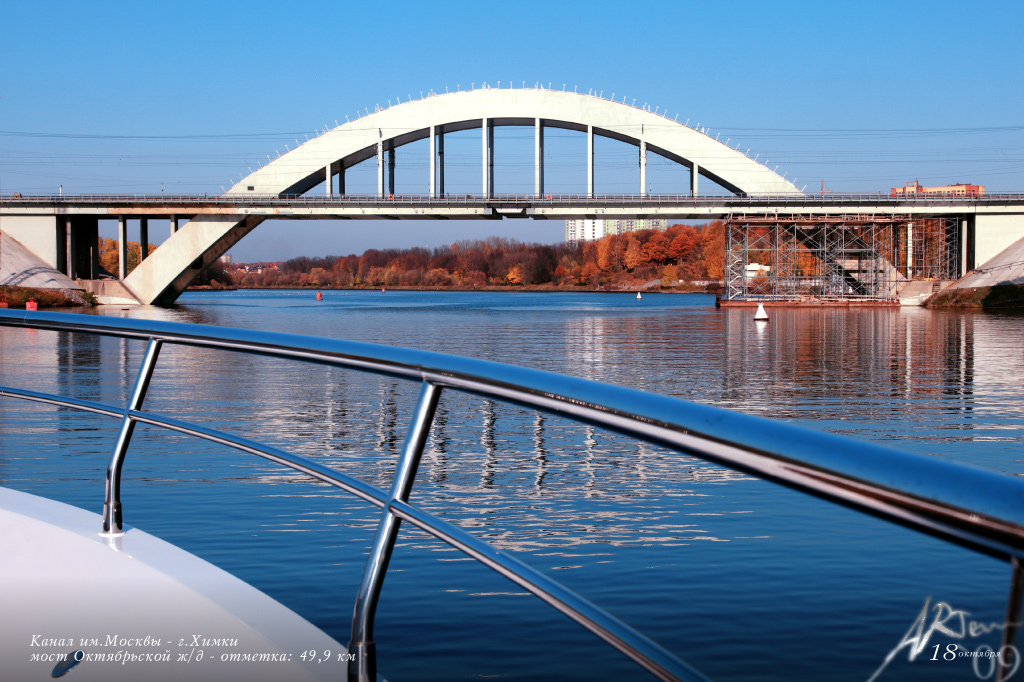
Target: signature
(954,623)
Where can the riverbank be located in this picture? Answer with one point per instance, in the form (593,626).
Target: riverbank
(1003,296)
(521,288)
(17,297)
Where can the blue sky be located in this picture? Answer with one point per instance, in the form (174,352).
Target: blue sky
(183,97)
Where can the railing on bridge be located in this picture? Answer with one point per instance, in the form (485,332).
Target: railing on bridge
(976,509)
(837,199)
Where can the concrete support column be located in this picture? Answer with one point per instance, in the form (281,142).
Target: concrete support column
(174,224)
(970,245)
(694,174)
(94,248)
(329,180)
(380,165)
(83,248)
(341,178)
(590,162)
(440,162)
(643,168)
(961,243)
(910,250)
(61,250)
(432,187)
(143,239)
(122,247)
(538,157)
(72,270)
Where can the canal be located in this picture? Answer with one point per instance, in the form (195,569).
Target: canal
(739,577)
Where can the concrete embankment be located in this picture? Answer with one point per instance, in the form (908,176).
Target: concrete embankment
(998,296)
(998,283)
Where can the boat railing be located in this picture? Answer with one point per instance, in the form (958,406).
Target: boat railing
(974,508)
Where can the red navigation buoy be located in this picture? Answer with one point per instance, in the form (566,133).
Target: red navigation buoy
(319,296)
(382,290)
(31,304)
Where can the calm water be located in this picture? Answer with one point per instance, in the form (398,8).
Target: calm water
(741,578)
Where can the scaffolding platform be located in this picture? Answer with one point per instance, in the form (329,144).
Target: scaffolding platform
(836,259)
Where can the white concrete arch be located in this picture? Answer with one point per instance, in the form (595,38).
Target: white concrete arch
(164,275)
(305,167)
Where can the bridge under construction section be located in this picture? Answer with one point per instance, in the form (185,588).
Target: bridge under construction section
(857,257)
(781,244)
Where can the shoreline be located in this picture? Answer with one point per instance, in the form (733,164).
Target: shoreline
(488,288)
(17,297)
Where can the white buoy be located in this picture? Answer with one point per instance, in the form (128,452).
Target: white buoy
(638,297)
(761,315)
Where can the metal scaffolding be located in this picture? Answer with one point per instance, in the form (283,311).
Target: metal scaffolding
(849,257)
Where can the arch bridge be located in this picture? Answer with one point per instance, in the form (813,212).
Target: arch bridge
(324,160)
(276,190)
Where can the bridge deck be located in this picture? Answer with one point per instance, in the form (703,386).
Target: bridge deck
(550,206)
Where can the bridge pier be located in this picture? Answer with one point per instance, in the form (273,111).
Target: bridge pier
(174,224)
(60,260)
(694,171)
(84,248)
(328,181)
(122,247)
(970,235)
(143,239)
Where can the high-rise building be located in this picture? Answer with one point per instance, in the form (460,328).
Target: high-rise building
(588,229)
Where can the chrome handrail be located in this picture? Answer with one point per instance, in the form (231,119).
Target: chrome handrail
(978,509)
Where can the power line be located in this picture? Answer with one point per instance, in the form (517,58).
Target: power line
(103,136)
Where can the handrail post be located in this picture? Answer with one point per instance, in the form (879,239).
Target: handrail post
(363,659)
(112,502)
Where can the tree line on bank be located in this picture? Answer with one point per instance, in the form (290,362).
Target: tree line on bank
(681,253)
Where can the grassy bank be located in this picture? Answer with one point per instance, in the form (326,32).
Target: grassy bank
(1002,296)
(46,298)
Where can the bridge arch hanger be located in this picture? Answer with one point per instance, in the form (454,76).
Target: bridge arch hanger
(386,128)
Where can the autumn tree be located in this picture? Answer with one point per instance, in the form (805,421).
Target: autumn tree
(437,277)
(588,274)
(110,259)
(713,249)
(318,277)
(669,276)
(606,253)
(684,244)
(656,248)
(634,258)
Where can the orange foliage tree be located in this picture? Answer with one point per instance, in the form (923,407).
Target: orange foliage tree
(634,257)
(713,248)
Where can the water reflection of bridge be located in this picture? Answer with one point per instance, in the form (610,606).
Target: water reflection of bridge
(880,373)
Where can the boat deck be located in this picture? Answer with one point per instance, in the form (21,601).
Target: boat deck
(138,608)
